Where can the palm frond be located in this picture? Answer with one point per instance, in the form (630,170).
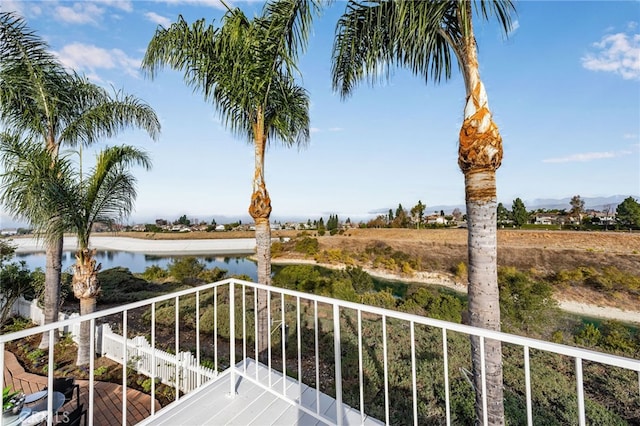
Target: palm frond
(32,80)
(423,35)
(95,114)
(34,188)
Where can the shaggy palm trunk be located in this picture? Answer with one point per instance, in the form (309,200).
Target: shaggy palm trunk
(260,210)
(479,156)
(53,269)
(86,288)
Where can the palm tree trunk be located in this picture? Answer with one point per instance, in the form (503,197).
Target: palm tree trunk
(86,287)
(53,271)
(85,346)
(479,156)
(263,253)
(260,210)
(484,308)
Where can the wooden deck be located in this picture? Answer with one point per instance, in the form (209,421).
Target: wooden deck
(107,409)
(253,404)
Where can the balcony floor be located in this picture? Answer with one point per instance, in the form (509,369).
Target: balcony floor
(253,404)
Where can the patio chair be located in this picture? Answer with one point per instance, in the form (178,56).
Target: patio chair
(66,386)
(73,418)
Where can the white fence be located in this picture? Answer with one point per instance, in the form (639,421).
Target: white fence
(30,309)
(140,355)
(145,359)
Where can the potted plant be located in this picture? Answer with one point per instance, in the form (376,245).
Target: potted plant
(12,403)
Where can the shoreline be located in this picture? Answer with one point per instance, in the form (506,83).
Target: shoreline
(246,246)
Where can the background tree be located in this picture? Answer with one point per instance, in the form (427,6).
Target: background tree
(628,213)
(246,69)
(40,100)
(577,207)
(15,280)
(519,213)
(402,219)
(425,36)
(503,214)
(417,212)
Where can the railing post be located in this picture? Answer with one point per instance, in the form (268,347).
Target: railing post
(580,389)
(337,353)
(232,340)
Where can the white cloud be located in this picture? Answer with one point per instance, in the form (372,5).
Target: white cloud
(617,53)
(124,5)
(79,13)
(13,6)
(630,136)
(213,3)
(335,129)
(586,156)
(314,130)
(157,19)
(89,58)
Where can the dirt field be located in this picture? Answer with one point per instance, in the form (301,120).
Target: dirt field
(443,249)
(440,250)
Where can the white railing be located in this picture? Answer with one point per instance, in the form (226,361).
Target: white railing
(384,363)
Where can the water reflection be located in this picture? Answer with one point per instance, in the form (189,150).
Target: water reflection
(138,262)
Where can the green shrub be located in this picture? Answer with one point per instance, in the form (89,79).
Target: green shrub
(154,273)
(186,269)
(525,304)
(307,245)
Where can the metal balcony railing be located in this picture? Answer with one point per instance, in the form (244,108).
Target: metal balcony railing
(387,365)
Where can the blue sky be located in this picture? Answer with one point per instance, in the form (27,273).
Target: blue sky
(564,89)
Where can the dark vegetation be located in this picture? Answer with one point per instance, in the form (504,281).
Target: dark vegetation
(527,307)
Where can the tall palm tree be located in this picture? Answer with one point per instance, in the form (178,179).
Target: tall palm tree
(39,99)
(373,36)
(245,68)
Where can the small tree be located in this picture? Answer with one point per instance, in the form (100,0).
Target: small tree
(503,214)
(577,207)
(519,213)
(15,280)
(628,213)
(417,213)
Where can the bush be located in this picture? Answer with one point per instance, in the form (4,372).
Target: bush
(186,269)
(307,245)
(154,273)
(525,304)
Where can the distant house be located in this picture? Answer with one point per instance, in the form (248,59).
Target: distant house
(9,232)
(219,227)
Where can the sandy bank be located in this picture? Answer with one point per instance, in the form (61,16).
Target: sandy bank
(157,247)
(444,280)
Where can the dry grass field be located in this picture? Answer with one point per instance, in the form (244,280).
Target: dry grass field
(441,250)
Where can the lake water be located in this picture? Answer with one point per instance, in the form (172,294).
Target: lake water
(138,262)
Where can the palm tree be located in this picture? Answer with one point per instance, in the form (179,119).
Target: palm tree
(105,195)
(40,100)
(245,68)
(371,37)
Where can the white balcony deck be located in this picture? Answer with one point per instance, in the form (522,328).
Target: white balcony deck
(254,404)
